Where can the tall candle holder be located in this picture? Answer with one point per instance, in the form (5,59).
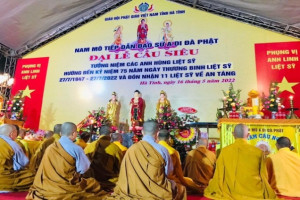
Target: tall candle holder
(292,109)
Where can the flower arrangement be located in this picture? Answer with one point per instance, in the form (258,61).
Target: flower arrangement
(168,118)
(232,96)
(94,121)
(272,101)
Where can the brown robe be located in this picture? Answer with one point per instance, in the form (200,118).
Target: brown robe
(37,157)
(199,166)
(142,176)
(106,158)
(11,180)
(57,178)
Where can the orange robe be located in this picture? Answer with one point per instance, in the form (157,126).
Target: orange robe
(284,172)
(142,176)
(240,174)
(37,157)
(81,143)
(199,166)
(177,174)
(11,180)
(106,158)
(57,179)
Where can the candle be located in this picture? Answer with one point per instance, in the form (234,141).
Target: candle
(291,97)
(291,101)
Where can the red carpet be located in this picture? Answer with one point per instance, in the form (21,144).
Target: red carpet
(13,196)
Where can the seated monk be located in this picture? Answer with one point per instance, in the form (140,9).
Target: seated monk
(36,159)
(200,165)
(117,139)
(20,140)
(240,171)
(56,131)
(284,170)
(59,174)
(106,158)
(83,139)
(13,176)
(177,174)
(144,171)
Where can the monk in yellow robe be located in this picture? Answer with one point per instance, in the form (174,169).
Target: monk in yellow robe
(200,166)
(13,175)
(56,131)
(59,174)
(83,139)
(240,171)
(106,158)
(20,140)
(36,159)
(144,171)
(177,174)
(284,169)
(117,139)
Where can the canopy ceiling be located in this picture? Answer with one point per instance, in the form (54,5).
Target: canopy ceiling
(25,24)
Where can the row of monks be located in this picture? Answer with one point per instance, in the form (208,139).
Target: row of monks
(150,169)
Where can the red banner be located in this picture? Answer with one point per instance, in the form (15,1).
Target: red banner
(30,77)
(279,62)
(187,110)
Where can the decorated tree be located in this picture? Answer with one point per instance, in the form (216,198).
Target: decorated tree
(232,97)
(168,119)
(271,102)
(15,106)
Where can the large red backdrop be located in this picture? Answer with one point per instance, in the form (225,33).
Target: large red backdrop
(30,76)
(279,62)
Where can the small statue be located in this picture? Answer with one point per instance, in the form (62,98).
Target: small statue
(163,104)
(137,109)
(113,110)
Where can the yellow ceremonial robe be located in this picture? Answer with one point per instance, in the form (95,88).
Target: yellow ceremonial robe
(199,166)
(11,180)
(57,179)
(284,172)
(81,143)
(240,174)
(106,158)
(121,147)
(142,176)
(56,136)
(37,157)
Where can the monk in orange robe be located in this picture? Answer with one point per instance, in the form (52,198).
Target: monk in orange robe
(284,170)
(144,171)
(83,139)
(59,174)
(36,159)
(106,158)
(177,174)
(200,165)
(240,171)
(13,175)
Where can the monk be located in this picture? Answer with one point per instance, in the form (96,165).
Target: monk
(117,139)
(144,171)
(59,174)
(36,159)
(200,165)
(20,140)
(83,139)
(106,158)
(240,171)
(13,175)
(177,174)
(56,131)
(284,169)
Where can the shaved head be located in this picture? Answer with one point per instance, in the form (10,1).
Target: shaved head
(49,134)
(105,130)
(203,142)
(283,142)
(241,131)
(150,128)
(116,137)
(163,135)
(68,128)
(8,130)
(57,128)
